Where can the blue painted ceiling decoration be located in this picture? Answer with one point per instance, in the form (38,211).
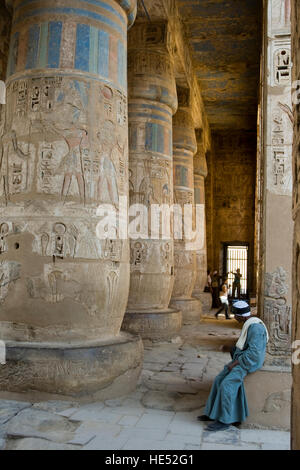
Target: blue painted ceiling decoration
(225,39)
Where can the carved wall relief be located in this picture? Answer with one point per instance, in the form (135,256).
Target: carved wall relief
(277,312)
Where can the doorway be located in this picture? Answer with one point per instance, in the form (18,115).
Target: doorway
(236,257)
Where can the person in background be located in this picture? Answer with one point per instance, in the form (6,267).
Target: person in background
(208,282)
(236,283)
(215,290)
(224,300)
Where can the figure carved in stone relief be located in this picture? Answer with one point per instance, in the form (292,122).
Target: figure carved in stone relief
(72,164)
(112,281)
(4,230)
(53,278)
(138,254)
(44,243)
(107,183)
(59,230)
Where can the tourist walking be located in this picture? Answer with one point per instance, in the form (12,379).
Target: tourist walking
(224,300)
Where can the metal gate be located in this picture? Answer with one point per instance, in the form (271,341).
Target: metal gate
(237,258)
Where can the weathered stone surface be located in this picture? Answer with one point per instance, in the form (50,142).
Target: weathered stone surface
(37,444)
(275,184)
(8,409)
(296,216)
(160,400)
(184,149)
(269,397)
(54,406)
(170,382)
(151,69)
(155,326)
(200,173)
(97,371)
(64,148)
(230,195)
(41,424)
(172,401)
(5,24)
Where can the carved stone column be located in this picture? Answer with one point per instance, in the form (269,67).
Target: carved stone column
(152,102)
(5,25)
(64,152)
(276,191)
(184,149)
(296,215)
(200,173)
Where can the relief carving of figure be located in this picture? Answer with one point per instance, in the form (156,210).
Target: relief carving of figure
(107,183)
(4,230)
(72,164)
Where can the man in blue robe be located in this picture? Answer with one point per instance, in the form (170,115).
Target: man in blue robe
(227,402)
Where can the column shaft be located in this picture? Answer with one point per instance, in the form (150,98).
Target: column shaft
(64,153)
(184,149)
(152,102)
(200,173)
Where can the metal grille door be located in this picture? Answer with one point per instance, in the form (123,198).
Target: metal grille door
(237,258)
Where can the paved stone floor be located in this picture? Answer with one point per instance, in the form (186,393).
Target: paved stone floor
(160,415)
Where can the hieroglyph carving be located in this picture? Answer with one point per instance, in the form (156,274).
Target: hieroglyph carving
(277,312)
(69,160)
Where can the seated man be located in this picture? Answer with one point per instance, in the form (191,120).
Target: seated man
(227,402)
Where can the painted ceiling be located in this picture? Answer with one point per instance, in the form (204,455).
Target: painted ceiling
(225,38)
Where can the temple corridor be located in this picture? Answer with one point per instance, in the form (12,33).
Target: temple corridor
(148,148)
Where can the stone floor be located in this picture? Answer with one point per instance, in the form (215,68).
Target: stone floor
(160,415)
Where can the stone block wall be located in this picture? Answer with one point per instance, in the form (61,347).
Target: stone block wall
(296,215)
(232,204)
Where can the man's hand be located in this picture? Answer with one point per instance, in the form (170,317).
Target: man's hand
(232,365)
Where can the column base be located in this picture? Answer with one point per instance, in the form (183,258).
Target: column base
(155,325)
(191,308)
(205,298)
(85,371)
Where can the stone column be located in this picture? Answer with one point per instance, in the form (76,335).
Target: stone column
(296,215)
(5,24)
(152,102)
(64,152)
(200,173)
(184,149)
(277,225)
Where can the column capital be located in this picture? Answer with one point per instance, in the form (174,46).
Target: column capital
(184,97)
(200,165)
(154,35)
(129,6)
(150,64)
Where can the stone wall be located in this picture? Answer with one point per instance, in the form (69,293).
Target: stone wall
(233,165)
(296,214)
(276,125)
